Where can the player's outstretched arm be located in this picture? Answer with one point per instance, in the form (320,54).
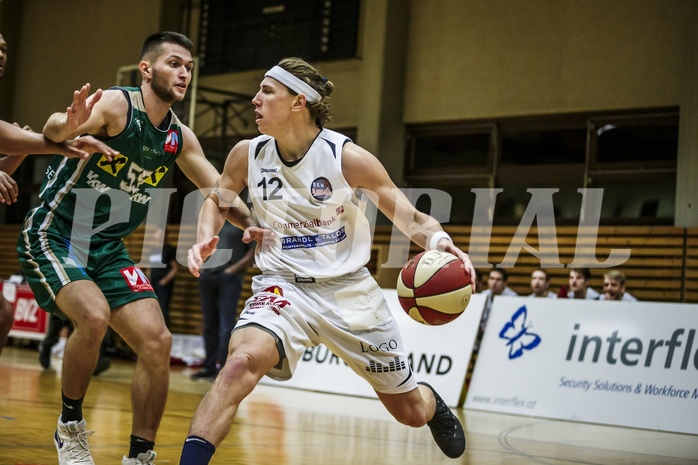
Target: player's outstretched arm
(363,170)
(18,142)
(10,164)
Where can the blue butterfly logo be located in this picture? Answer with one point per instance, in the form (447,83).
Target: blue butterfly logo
(517,335)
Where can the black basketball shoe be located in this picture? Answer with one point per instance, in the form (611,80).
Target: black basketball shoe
(446,428)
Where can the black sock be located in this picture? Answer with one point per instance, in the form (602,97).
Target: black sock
(139,445)
(72,409)
(196,451)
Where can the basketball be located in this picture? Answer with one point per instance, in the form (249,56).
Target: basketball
(433,288)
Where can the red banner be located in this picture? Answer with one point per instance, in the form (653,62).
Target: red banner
(30,320)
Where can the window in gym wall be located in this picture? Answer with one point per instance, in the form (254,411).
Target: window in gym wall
(634,141)
(544,143)
(539,153)
(633,158)
(461,151)
(631,155)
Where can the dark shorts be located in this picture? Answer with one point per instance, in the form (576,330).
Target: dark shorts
(50,260)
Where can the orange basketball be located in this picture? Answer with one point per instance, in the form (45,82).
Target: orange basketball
(433,287)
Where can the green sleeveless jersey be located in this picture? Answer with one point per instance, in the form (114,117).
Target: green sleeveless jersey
(109,199)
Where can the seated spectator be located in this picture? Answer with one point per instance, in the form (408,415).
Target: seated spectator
(579,285)
(614,287)
(496,285)
(540,284)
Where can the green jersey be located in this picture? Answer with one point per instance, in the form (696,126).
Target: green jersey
(110,198)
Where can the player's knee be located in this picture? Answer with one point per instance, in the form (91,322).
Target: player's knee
(239,371)
(157,345)
(93,323)
(238,363)
(165,341)
(244,366)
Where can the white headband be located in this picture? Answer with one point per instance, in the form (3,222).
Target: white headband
(293,83)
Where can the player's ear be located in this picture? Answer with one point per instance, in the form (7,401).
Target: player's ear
(299,102)
(145,69)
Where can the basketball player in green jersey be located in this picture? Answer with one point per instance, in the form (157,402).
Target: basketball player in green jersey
(71,249)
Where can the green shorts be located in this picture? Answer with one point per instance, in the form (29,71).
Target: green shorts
(50,260)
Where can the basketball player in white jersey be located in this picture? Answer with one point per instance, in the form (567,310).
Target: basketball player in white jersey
(308,185)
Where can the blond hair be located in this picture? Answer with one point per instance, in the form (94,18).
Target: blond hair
(320,110)
(615,276)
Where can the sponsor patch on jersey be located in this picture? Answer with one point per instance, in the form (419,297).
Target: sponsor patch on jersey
(263,300)
(274,290)
(321,189)
(114,166)
(154,178)
(306,224)
(136,279)
(172,141)
(310,242)
(395,365)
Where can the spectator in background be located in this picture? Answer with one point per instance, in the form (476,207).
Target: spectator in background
(614,287)
(579,285)
(219,289)
(162,269)
(496,285)
(540,284)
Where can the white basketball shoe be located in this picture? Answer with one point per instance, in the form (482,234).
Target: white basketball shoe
(71,443)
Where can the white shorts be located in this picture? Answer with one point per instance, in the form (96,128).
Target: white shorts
(348,314)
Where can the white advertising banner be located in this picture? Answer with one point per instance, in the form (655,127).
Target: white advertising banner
(439,355)
(627,364)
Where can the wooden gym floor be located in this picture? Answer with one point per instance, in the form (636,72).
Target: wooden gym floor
(283,426)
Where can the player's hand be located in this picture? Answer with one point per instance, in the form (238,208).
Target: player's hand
(464,257)
(80,109)
(199,253)
(265,238)
(8,189)
(84,146)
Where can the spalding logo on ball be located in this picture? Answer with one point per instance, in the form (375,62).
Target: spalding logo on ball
(433,287)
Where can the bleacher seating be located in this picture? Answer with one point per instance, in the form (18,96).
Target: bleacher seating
(663,264)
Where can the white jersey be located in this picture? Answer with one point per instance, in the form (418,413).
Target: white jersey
(319,219)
